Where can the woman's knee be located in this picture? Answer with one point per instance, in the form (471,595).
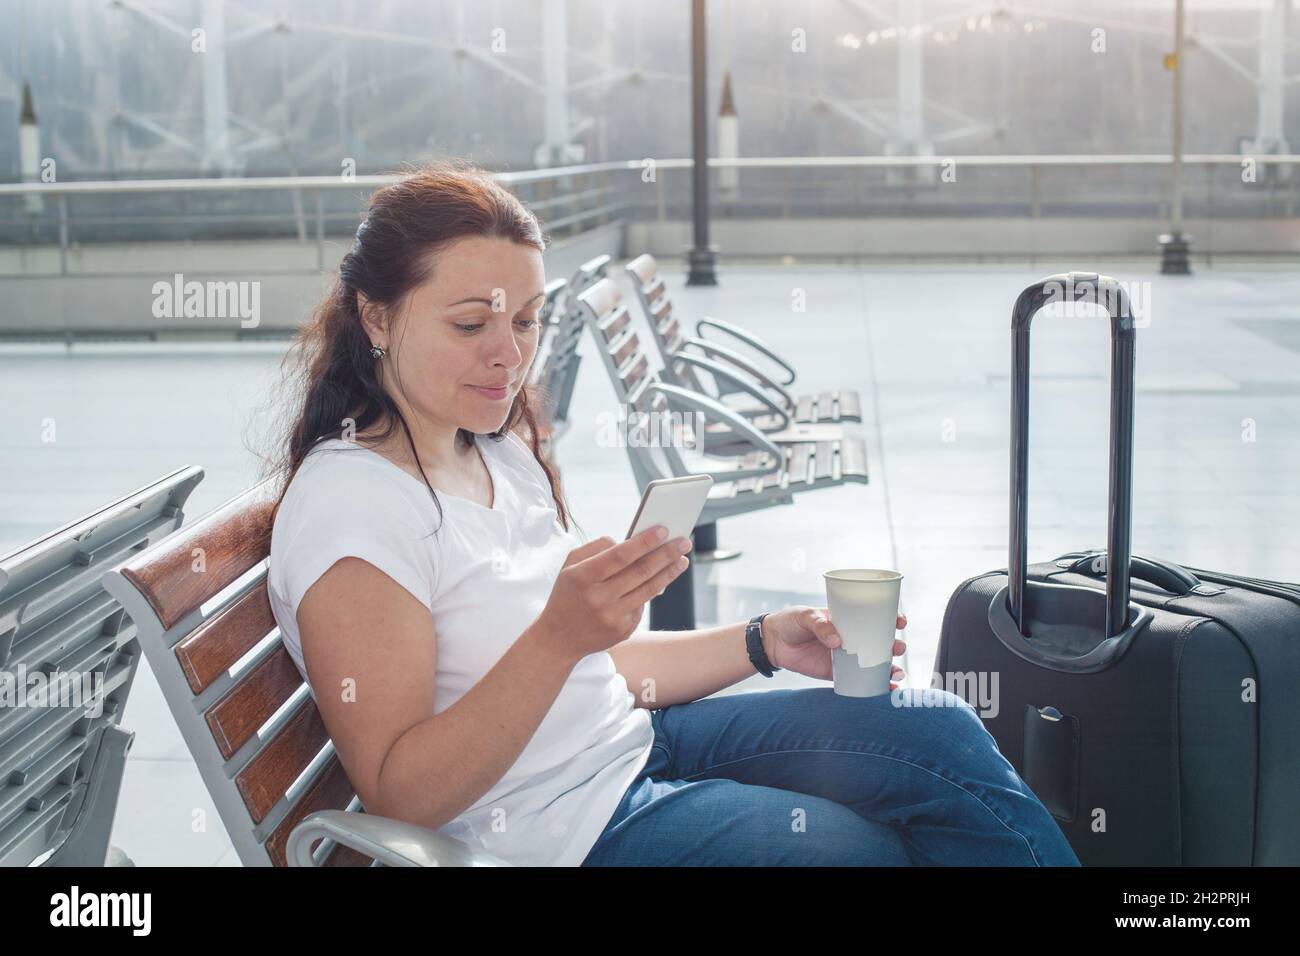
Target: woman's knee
(950,733)
(787,828)
(941,707)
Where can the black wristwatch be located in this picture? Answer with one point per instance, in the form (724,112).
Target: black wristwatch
(754,642)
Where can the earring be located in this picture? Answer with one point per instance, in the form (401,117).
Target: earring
(376,351)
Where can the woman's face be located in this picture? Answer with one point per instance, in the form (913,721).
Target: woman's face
(461,348)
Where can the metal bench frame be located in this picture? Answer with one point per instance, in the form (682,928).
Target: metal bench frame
(757,474)
(732,373)
(558,371)
(62,767)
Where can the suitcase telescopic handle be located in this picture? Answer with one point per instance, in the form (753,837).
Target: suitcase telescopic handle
(1110,295)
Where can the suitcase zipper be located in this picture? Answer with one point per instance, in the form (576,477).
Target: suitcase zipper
(1277,588)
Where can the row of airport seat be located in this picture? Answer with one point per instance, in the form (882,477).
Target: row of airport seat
(761,452)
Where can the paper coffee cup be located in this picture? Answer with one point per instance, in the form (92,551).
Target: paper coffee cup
(863,605)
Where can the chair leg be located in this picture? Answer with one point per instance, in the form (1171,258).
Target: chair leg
(706,545)
(674,610)
(87,844)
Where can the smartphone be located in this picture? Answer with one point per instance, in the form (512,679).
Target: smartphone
(675,503)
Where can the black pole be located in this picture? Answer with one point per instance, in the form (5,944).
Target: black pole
(674,610)
(702,257)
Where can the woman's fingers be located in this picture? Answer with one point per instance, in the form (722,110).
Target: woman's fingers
(901,622)
(584,551)
(644,569)
(817,621)
(606,564)
(899,648)
(665,577)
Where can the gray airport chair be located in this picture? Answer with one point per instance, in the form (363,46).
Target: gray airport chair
(559,369)
(62,765)
(762,474)
(549,365)
(245,712)
(732,373)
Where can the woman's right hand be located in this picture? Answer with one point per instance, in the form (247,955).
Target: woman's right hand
(601,590)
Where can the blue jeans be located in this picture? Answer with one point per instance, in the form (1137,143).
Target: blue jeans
(806,777)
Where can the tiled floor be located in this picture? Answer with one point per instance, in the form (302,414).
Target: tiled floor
(929,351)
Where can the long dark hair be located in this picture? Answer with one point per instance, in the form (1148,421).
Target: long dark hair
(406,224)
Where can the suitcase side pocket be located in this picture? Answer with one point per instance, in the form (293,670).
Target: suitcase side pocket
(1051,759)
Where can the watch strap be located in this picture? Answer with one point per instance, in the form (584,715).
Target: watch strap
(754,644)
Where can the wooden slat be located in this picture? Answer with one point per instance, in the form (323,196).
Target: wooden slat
(825,407)
(800,455)
(233,539)
(235,718)
(824,462)
(636,397)
(853,457)
(330,791)
(602,298)
(804,409)
(644,267)
(659,311)
(218,644)
(616,323)
(751,460)
(850,404)
(624,350)
(655,289)
(634,374)
(771,480)
(766,422)
(668,332)
(267,776)
(345,856)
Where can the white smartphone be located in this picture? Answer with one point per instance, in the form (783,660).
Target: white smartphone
(675,503)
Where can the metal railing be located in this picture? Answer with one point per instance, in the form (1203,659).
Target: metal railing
(572,199)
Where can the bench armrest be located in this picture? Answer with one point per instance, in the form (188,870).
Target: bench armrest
(712,408)
(736,360)
(391,842)
(727,376)
(749,339)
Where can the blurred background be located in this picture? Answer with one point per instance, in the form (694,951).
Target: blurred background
(883,178)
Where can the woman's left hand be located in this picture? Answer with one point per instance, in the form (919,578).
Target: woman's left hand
(800,639)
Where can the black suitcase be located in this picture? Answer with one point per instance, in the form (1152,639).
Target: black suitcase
(1152,708)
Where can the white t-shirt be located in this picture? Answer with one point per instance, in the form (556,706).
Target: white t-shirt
(485,576)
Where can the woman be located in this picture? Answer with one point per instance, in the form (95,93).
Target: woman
(480,672)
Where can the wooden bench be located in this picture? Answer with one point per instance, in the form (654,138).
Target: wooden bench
(200,602)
